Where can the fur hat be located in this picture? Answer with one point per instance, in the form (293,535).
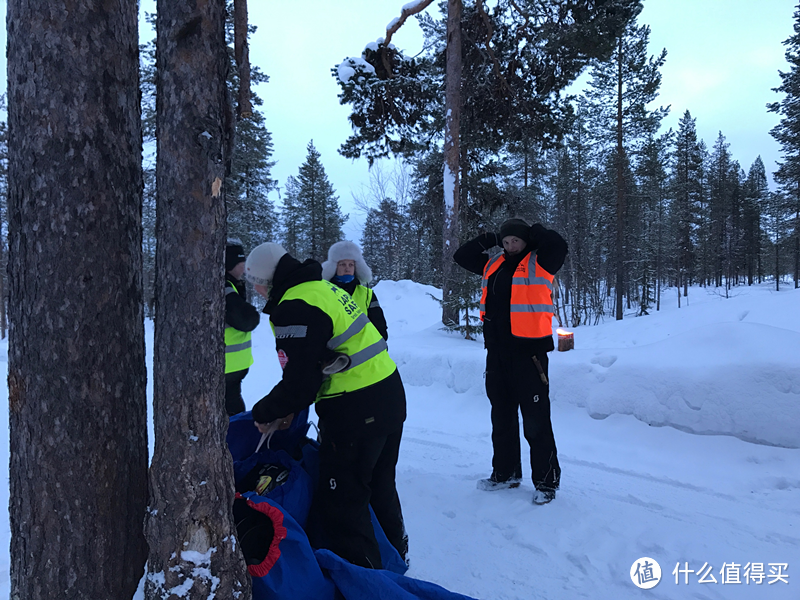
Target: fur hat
(259,269)
(346,251)
(515,227)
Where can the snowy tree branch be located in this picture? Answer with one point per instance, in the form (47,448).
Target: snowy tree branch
(407,11)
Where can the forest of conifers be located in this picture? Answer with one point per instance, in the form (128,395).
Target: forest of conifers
(691,214)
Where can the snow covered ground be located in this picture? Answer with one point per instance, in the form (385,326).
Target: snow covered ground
(678,436)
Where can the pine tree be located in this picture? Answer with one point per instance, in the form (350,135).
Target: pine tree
(703,217)
(756,194)
(311,215)
(776,225)
(252,217)
(77,405)
(525,56)
(149,241)
(629,82)
(3,217)
(573,176)
(654,198)
(190,528)
(786,133)
(383,240)
(722,174)
(686,189)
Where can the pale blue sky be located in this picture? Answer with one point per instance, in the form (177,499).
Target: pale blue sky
(723,59)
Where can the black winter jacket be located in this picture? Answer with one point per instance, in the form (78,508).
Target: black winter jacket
(374,313)
(551,250)
(377,410)
(239,313)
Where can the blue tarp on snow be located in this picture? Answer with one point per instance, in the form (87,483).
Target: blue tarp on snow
(243,436)
(293,570)
(290,571)
(358,583)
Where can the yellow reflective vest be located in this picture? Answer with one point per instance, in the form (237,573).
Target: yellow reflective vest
(363,297)
(238,345)
(353,335)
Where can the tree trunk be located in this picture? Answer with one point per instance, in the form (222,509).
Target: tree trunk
(76,369)
(3,322)
(190,528)
(620,188)
(451,156)
(797,249)
(241,52)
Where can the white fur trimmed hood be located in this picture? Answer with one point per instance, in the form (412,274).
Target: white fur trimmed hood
(346,250)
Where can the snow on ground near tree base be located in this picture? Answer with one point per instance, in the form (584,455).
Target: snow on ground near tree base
(629,489)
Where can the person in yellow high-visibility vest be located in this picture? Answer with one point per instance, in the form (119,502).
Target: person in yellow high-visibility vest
(517,311)
(241,318)
(347,268)
(334,358)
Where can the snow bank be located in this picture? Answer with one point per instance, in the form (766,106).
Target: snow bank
(718,366)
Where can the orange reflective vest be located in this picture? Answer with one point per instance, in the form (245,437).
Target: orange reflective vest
(531,296)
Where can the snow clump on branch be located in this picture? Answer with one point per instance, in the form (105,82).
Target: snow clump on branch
(349,67)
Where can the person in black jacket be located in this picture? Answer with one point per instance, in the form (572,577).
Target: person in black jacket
(516,310)
(241,318)
(361,405)
(347,268)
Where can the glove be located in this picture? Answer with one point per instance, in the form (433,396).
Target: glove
(536,235)
(488,240)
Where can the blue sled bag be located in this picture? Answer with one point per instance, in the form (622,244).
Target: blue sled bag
(243,436)
(358,583)
(276,476)
(279,558)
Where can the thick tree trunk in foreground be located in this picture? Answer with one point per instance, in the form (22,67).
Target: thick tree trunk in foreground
(190,529)
(77,407)
(452,135)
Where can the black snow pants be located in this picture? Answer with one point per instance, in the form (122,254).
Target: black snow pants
(234,403)
(354,474)
(513,383)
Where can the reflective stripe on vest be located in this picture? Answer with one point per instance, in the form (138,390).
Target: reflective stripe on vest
(531,309)
(238,345)
(353,335)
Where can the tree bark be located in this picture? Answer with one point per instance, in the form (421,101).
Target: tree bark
(797,249)
(190,528)
(241,51)
(452,134)
(620,188)
(76,376)
(3,322)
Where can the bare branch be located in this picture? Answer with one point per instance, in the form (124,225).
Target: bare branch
(404,14)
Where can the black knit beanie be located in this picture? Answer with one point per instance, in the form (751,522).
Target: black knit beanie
(234,254)
(515,227)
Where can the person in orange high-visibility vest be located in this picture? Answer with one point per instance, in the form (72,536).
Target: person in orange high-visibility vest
(517,311)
